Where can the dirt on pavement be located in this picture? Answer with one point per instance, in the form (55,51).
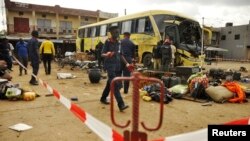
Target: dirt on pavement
(51,121)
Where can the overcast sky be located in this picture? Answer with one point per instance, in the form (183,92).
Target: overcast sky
(215,12)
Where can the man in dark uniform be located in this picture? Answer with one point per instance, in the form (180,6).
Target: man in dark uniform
(157,55)
(166,53)
(34,56)
(98,50)
(128,50)
(111,52)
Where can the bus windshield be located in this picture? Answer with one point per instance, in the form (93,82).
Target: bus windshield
(186,33)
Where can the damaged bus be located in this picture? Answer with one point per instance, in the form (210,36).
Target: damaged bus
(147,28)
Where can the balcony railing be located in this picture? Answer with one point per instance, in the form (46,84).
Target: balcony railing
(43,31)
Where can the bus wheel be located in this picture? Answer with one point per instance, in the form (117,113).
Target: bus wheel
(147,60)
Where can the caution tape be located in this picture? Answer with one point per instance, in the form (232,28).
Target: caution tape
(102,130)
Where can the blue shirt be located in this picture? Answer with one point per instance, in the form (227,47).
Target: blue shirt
(22,49)
(114,61)
(33,50)
(128,49)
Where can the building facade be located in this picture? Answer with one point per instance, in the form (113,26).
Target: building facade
(236,39)
(51,21)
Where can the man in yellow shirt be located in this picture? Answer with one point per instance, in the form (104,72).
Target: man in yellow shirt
(47,51)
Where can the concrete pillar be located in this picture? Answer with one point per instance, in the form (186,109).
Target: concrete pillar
(33,20)
(98,15)
(79,20)
(57,26)
(98,19)
(7,21)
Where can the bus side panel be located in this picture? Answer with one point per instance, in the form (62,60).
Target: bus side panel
(145,44)
(94,42)
(185,58)
(90,43)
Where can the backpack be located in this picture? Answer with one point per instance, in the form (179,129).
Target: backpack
(199,92)
(166,52)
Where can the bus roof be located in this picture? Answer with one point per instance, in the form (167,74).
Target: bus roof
(137,15)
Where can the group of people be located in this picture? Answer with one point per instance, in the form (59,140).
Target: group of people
(28,51)
(118,56)
(46,51)
(164,54)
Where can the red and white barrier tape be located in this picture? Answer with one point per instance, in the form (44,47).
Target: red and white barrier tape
(102,130)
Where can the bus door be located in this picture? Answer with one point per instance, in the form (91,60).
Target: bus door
(171,30)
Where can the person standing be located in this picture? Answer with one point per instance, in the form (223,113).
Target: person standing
(5,53)
(128,51)
(33,49)
(22,52)
(111,53)
(157,55)
(3,65)
(173,50)
(166,54)
(47,50)
(98,50)
(11,53)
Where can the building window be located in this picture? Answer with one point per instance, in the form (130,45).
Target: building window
(86,19)
(44,15)
(229,32)
(20,13)
(44,25)
(65,26)
(237,36)
(223,37)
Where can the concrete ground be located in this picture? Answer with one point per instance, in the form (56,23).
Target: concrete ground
(51,121)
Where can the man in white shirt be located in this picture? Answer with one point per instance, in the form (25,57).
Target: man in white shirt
(173,48)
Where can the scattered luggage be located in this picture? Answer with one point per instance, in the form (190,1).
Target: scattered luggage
(236,76)
(171,81)
(94,75)
(216,73)
(219,94)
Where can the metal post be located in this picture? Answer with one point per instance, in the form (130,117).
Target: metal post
(135,134)
(202,43)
